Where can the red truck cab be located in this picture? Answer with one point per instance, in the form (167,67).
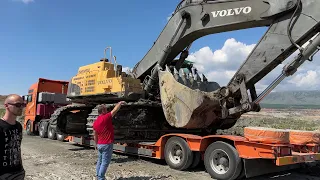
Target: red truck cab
(43,98)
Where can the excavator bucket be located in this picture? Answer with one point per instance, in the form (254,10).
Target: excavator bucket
(187,101)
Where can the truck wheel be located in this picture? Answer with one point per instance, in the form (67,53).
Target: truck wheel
(178,154)
(28,128)
(60,137)
(222,161)
(43,130)
(51,133)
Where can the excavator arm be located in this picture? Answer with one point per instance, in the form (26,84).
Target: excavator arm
(191,103)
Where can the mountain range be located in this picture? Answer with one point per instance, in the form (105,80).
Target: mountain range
(293,98)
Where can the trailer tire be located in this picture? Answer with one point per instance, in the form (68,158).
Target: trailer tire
(51,133)
(60,137)
(178,162)
(28,128)
(217,152)
(43,133)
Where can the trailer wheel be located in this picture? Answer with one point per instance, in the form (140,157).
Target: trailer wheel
(43,130)
(178,154)
(222,161)
(28,128)
(60,137)
(51,133)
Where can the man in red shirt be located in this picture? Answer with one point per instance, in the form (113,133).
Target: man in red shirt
(104,138)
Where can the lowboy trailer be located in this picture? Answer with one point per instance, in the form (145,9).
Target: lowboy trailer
(225,157)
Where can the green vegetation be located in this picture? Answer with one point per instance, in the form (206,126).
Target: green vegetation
(2,111)
(284,123)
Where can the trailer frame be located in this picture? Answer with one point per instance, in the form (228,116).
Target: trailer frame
(255,158)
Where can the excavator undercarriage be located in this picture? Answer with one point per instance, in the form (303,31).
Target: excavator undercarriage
(174,98)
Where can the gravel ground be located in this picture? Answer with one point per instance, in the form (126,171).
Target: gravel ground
(47,159)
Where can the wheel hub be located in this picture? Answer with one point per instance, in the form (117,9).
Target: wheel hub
(224,161)
(176,154)
(179,152)
(220,161)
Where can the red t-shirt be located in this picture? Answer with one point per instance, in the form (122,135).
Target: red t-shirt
(104,128)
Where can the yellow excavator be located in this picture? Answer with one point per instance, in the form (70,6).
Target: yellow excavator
(166,94)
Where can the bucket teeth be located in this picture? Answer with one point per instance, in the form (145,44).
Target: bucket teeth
(194,70)
(183,75)
(191,79)
(190,75)
(197,77)
(204,79)
(168,69)
(175,71)
(176,74)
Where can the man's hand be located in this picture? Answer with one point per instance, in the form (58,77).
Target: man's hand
(117,107)
(122,102)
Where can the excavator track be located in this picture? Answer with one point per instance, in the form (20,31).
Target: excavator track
(70,119)
(142,120)
(137,121)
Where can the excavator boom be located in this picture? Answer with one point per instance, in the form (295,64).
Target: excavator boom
(189,103)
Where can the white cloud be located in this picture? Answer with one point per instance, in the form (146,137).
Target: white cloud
(220,65)
(126,69)
(225,60)
(229,57)
(308,79)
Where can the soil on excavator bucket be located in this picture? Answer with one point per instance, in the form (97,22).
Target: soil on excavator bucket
(187,101)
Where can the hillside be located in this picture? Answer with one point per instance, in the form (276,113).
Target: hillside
(2,98)
(305,98)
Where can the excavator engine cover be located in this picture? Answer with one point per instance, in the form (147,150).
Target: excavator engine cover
(187,101)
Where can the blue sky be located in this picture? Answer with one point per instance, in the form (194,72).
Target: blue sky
(51,39)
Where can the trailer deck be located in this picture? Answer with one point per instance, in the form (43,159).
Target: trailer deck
(185,151)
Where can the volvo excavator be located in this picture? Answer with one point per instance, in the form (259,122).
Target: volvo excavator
(166,94)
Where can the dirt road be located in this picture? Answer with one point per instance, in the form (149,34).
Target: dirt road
(54,160)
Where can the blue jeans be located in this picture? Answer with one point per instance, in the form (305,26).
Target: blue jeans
(104,158)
